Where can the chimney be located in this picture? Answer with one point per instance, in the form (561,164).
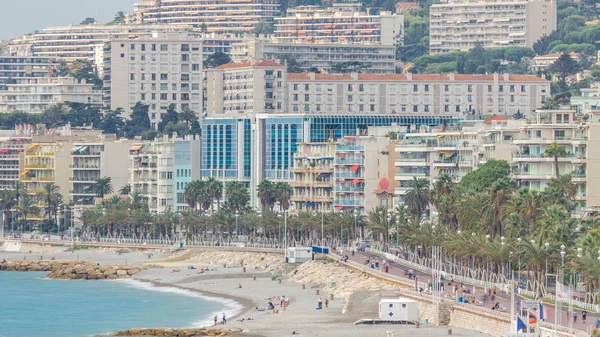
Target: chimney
(354,76)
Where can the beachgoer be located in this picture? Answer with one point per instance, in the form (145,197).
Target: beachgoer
(224,319)
(583,315)
(3,260)
(574,316)
(326,303)
(239,286)
(320,303)
(216,319)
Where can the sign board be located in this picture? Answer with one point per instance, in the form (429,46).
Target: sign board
(527,304)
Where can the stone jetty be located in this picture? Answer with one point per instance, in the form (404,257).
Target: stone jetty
(72,270)
(177,332)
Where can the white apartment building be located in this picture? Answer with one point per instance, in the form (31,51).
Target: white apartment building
(541,62)
(161,169)
(80,41)
(210,15)
(11,159)
(248,87)
(91,160)
(419,94)
(163,69)
(343,22)
(589,101)
(323,55)
(458,25)
(313,177)
(15,67)
(35,95)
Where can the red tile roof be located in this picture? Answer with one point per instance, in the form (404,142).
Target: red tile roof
(384,186)
(404,6)
(495,118)
(263,63)
(415,77)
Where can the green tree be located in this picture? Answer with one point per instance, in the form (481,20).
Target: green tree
(266,193)
(237,195)
(263,28)
(563,67)
(283,192)
(83,114)
(88,21)
(417,197)
(52,198)
(555,151)
(103,186)
(484,176)
(139,121)
(214,189)
(27,207)
(216,60)
(125,190)
(112,122)
(171,116)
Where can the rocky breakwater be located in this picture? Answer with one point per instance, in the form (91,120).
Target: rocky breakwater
(177,332)
(72,270)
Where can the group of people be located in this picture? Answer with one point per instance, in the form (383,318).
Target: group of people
(223,321)
(282,301)
(320,303)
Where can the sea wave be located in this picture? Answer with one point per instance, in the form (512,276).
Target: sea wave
(231,307)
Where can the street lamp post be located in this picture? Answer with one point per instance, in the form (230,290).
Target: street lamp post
(285,233)
(546,276)
(58,212)
(519,240)
(355,226)
(104,216)
(237,216)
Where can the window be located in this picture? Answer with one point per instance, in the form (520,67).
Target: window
(415,108)
(153,77)
(143,46)
(306,97)
(469,88)
(143,97)
(319,87)
(132,77)
(306,107)
(307,87)
(372,108)
(163,97)
(153,47)
(164,86)
(350,98)
(426,87)
(132,47)
(426,108)
(185,77)
(457,108)
(446,108)
(361,87)
(489,88)
(501,88)
(195,67)
(415,87)
(185,47)
(164,47)
(122,55)
(295,107)
(174,97)
(446,87)
(511,88)
(522,88)
(295,97)
(164,77)
(296,87)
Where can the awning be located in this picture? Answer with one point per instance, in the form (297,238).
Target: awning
(354,168)
(487,134)
(5,150)
(341,154)
(339,207)
(448,154)
(439,136)
(84,148)
(86,187)
(356,181)
(25,172)
(309,204)
(76,149)
(32,146)
(136,147)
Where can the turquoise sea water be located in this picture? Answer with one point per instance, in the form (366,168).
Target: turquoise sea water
(31,306)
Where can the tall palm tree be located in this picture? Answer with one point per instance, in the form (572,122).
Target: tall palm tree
(237,195)
(379,222)
(283,192)
(52,198)
(125,190)
(562,189)
(554,150)
(266,193)
(137,201)
(192,193)
(214,188)
(103,186)
(417,197)
(26,207)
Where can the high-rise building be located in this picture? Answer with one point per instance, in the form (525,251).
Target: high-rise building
(459,25)
(11,159)
(209,15)
(345,22)
(159,70)
(313,177)
(328,57)
(15,68)
(248,87)
(34,95)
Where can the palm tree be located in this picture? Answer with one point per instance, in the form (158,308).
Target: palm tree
(266,193)
(237,195)
(137,201)
(125,190)
(554,150)
(535,256)
(192,193)
(187,116)
(379,222)
(417,197)
(562,189)
(26,207)
(214,188)
(103,186)
(52,198)
(283,192)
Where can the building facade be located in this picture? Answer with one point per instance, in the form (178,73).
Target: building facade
(161,169)
(160,70)
(210,15)
(416,94)
(328,57)
(589,101)
(459,25)
(245,88)
(313,177)
(34,95)
(11,159)
(15,68)
(344,22)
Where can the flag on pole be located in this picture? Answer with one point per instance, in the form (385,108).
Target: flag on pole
(562,291)
(532,318)
(520,324)
(542,313)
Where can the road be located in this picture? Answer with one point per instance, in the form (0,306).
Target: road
(401,271)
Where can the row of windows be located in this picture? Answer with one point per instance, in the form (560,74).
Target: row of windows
(165,86)
(163,77)
(403,88)
(163,47)
(185,173)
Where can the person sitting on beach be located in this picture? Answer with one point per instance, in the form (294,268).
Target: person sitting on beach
(176,270)
(239,286)
(191,267)
(3,260)
(496,306)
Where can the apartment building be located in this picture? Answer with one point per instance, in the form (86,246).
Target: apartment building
(159,70)
(541,62)
(588,102)
(159,170)
(416,94)
(252,147)
(247,87)
(92,160)
(210,15)
(313,179)
(458,25)
(533,167)
(326,56)
(34,95)
(349,176)
(77,42)
(340,23)
(16,68)
(11,159)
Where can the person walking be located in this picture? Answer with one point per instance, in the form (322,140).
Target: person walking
(224,319)
(583,315)
(216,319)
(574,316)
(320,303)
(326,303)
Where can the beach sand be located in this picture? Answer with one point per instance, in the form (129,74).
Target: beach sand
(301,316)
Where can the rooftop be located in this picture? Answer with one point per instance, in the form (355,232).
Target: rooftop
(262,63)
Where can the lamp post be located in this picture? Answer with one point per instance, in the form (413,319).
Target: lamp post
(237,216)
(58,212)
(279,230)
(104,216)
(389,221)
(546,245)
(502,239)
(519,240)
(72,221)
(285,233)
(355,226)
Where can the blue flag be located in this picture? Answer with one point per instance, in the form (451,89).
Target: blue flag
(542,313)
(520,324)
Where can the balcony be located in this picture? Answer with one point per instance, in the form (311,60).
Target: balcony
(341,148)
(445,162)
(84,179)
(83,167)
(317,198)
(325,184)
(349,189)
(39,154)
(308,168)
(349,175)
(355,203)
(38,166)
(357,161)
